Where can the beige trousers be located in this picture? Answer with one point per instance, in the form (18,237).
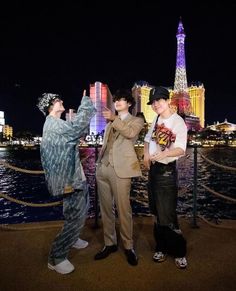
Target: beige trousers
(114,191)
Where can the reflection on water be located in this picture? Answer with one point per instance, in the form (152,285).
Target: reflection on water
(31,188)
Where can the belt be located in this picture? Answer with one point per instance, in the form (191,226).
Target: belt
(172,164)
(161,168)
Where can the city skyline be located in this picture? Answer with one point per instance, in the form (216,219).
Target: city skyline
(64,49)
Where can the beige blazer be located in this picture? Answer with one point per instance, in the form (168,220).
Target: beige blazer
(126,164)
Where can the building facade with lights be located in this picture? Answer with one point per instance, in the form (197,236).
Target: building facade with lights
(140,92)
(7,131)
(197,100)
(101,97)
(196,96)
(2,121)
(223,127)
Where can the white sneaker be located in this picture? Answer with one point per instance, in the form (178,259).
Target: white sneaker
(159,257)
(65,267)
(80,244)
(181,263)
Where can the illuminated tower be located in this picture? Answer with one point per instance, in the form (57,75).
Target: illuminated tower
(180,100)
(101,97)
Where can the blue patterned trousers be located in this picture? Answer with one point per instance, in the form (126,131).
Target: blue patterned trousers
(75,207)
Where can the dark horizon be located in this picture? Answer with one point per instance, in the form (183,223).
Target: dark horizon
(64,48)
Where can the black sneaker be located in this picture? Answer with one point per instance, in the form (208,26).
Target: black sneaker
(105,252)
(131,257)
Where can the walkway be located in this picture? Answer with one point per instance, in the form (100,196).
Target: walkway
(211,257)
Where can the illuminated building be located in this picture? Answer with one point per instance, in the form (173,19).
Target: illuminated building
(7,131)
(180,99)
(223,127)
(136,93)
(101,97)
(2,121)
(140,92)
(147,109)
(197,99)
(217,134)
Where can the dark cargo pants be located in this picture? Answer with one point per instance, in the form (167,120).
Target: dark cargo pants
(163,191)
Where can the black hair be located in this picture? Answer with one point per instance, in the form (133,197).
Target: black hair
(126,94)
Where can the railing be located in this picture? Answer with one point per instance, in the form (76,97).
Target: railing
(51,204)
(195,187)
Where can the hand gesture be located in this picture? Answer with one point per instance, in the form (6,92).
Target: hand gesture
(158,156)
(108,114)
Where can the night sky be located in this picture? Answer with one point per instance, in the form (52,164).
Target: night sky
(65,47)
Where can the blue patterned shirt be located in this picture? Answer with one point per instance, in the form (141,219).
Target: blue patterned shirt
(59,154)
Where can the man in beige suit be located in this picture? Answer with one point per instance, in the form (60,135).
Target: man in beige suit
(117,164)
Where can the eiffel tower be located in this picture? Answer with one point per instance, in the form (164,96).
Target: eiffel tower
(180,100)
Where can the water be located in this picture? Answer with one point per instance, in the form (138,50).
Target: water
(31,188)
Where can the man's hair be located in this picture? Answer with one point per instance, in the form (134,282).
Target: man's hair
(126,94)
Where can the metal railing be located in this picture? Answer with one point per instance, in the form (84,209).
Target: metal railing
(195,184)
(96,207)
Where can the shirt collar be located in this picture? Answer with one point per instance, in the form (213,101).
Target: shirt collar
(123,116)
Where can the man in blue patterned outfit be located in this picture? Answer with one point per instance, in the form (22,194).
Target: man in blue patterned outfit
(64,173)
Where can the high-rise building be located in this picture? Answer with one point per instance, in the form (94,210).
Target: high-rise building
(136,93)
(2,120)
(197,98)
(101,97)
(180,99)
(7,131)
(140,92)
(147,109)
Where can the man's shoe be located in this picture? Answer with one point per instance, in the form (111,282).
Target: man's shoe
(181,263)
(65,267)
(159,257)
(80,244)
(131,257)
(105,252)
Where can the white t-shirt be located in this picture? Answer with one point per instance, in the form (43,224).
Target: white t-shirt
(167,134)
